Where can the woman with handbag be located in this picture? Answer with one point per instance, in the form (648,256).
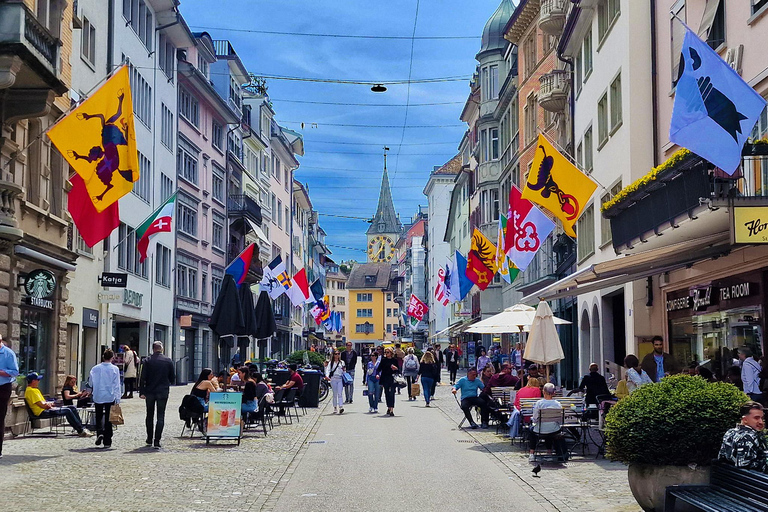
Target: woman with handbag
(411,371)
(334,370)
(386,376)
(373,384)
(428,371)
(105,379)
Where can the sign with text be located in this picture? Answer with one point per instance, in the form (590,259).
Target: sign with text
(110,297)
(224,415)
(40,286)
(132,298)
(90,318)
(115,279)
(750,225)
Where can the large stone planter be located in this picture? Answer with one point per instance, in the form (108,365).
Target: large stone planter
(648,483)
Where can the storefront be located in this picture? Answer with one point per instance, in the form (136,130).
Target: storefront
(708,321)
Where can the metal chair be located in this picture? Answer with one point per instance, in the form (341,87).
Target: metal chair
(55,424)
(548,416)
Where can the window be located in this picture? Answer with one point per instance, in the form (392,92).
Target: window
(716,35)
(365,328)
(677,31)
(389,327)
(494,81)
(189,107)
(217,276)
(139,17)
(186,278)
(602,120)
(204,287)
(143,187)
(82,247)
(187,215)
(217,183)
(218,231)
(370,280)
(607,12)
(389,312)
(142,96)
(287,220)
(202,65)
(588,151)
(493,138)
(365,313)
(342,285)
(577,67)
(163,265)
(530,119)
(88,42)
(166,187)
(580,154)
(529,51)
(217,136)
(757,5)
(389,297)
(166,56)
(128,253)
(235,145)
(585,229)
(286,180)
(364,297)
(483,145)
(605,224)
(494,204)
(587,54)
(615,92)
(187,161)
(280,214)
(167,128)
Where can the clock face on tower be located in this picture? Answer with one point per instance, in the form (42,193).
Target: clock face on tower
(381,249)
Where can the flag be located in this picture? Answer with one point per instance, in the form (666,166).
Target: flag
(507,270)
(557,185)
(440,290)
(457,283)
(276,280)
(93,226)
(416,308)
(299,291)
(160,221)
(317,291)
(99,141)
(527,228)
(481,260)
(316,312)
(715,109)
(238,268)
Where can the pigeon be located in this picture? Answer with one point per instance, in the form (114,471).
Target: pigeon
(536,471)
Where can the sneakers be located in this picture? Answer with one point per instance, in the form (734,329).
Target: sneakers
(473,426)
(370,410)
(156,446)
(148,441)
(335,410)
(532,457)
(99,440)
(341,411)
(427,405)
(375,411)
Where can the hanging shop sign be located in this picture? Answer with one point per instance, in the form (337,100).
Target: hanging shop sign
(750,225)
(115,279)
(90,318)
(132,298)
(40,286)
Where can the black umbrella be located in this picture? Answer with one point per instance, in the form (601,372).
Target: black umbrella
(265,317)
(249,315)
(227,318)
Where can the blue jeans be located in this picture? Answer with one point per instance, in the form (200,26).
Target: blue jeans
(374,392)
(349,389)
(426,384)
(69,412)
(249,406)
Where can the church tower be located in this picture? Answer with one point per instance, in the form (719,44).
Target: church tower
(385,227)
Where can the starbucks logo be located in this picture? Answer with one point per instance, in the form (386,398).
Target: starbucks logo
(40,284)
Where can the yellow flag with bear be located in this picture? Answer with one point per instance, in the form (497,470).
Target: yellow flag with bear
(98,140)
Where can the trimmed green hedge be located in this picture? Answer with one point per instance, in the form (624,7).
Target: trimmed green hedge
(676,422)
(298,357)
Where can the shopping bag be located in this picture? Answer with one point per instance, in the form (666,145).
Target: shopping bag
(415,389)
(116,415)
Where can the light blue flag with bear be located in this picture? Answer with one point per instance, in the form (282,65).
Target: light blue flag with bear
(715,109)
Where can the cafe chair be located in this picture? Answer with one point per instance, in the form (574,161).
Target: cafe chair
(56,424)
(192,413)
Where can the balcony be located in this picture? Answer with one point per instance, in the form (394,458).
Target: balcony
(243,205)
(553,94)
(10,193)
(552,16)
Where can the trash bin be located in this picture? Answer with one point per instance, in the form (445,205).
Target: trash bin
(279,377)
(311,395)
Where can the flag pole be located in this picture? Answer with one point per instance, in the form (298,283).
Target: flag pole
(145,220)
(573,161)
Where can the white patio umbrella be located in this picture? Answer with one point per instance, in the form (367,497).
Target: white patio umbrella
(543,342)
(517,318)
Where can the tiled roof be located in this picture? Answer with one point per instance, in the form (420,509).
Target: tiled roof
(381,271)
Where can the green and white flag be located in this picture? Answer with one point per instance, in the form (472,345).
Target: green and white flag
(161,221)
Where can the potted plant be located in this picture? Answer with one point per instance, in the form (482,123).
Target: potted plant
(670,432)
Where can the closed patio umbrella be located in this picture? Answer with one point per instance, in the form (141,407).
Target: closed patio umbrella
(265,317)
(517,318)
(543,345)
(249,319)
(227,317)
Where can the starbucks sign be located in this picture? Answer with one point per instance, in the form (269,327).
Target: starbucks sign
(40,286)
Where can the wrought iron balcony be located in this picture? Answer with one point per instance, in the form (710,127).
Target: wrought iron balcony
(243,205)
(552,16)
(553,95)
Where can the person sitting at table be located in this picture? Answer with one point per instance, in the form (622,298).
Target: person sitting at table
(531,390)
(294,380)
(42,409)
(262,388)
(69,393)
(204,387)
(594,384)
(502,379)
(543,428)
(744,446)
(249,403)
(533,373)
(636,376)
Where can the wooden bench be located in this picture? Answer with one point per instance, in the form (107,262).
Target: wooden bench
(730,489)
(504,395)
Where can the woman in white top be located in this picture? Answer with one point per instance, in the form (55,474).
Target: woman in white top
(636,376)
(105,379)
(130,361)
(334,369)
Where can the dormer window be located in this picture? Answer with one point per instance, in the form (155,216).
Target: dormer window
(370,280)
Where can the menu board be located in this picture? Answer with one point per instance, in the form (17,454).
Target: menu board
(224,415)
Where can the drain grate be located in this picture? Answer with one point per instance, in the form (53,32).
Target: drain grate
(468,441)
(315,442)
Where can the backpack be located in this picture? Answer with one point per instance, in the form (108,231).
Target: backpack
(411,363)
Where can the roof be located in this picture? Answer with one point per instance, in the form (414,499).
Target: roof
(493,33)
(451,167)
(357,280)
(385,220)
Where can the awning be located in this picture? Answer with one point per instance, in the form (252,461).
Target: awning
(447,329)
(257,231)
(633,267)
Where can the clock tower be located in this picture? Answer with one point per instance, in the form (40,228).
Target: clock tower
(385,229)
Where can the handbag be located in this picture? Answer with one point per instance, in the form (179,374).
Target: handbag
(346,379)
(400,381)
(116,415)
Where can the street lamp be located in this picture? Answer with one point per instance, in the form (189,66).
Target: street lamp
(378,88)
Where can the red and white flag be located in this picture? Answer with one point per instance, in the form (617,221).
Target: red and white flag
(527,228)
(416,308)
(440,290)
(299,290)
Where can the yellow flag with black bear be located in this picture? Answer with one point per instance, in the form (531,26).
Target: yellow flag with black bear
(557,185)
(99,141)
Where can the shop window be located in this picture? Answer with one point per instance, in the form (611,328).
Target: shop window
(35,343)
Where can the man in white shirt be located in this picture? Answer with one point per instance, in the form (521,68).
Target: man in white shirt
(543,428)
(105,379)
(750,374)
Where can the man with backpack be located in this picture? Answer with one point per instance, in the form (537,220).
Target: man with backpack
(411,371)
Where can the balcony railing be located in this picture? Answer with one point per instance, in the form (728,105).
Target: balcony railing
(20,25)
(552,16)
(244,205)
(553,95)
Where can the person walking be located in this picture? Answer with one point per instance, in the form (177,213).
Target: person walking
(9,370)
(350,362)
(482,361)
(400,356)
(452,362)
(334,371)
(373,384)
(157,375)
(105,379)
(411,371)
(428,369)
(750,374)
(130,364)
(439,361)
(386,377)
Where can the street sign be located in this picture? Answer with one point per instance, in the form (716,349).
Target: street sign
(116,279)
(110,297)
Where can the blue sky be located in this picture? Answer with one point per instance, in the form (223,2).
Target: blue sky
(342,165)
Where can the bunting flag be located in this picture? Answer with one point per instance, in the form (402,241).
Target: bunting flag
(715,109)
(456,280)
(557,185)
(481,260)
(93,226)
(299,291)
(527,228)
(99,141)
(276,280)
(440,290)
(416,308)
(507,270)
(238,269)
(161,221)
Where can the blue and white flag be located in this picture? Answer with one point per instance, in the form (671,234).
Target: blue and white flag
(715,109)
(457,284)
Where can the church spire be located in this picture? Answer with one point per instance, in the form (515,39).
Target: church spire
(385,220)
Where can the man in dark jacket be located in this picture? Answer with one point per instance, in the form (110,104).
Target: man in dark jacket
(594,384)
(658,364)
(349,357)
(157,375)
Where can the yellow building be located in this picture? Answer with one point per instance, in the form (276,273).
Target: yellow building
(368,286)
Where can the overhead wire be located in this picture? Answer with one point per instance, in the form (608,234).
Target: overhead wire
(338,36)
(408,90)
(347,104)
